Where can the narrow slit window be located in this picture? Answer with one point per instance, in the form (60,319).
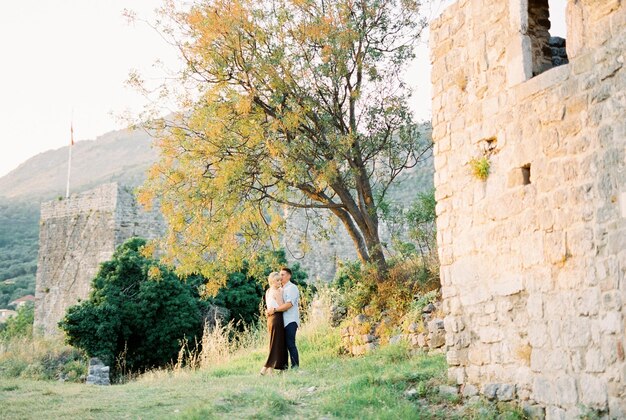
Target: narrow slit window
(526,174)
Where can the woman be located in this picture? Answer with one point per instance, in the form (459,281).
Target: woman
(277,359)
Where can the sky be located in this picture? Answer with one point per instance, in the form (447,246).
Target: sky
(65,62)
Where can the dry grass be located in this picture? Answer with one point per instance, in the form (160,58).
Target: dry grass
(40,358)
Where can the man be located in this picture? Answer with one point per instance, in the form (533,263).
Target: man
(291,314)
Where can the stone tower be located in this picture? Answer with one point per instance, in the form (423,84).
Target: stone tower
(75,236)
(533,259)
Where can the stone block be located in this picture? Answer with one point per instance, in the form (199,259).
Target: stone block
(555,390)
(436,339)
(593,392)
(422,340)
(448,391)
(534,411)
(478,354)
(456,357)
(588,302)
(490,391)
(367,338)
(456,375)
(453,324)
(505,392)
(396,339)
(534,305)
(516,177)
(436,325)
(554,247)
(507,284)
(369,347)
(612,322)
(557,413)
(518,60)
(490,334)
(469,390)
(594,362)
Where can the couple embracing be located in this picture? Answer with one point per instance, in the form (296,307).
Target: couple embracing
(283,320)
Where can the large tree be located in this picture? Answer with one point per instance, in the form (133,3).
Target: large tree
(296,103)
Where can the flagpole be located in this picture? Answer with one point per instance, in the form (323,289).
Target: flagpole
(69,160)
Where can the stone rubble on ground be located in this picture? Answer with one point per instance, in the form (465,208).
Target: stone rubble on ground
(98,373)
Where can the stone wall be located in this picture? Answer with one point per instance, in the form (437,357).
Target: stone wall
(75,236)
(533,259)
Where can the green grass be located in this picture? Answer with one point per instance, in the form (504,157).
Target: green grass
(327,385)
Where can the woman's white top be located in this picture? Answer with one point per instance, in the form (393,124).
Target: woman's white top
(270,301)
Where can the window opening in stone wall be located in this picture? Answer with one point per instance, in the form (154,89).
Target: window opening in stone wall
(526,174)
(547,46)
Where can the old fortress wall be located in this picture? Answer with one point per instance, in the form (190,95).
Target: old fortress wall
(533,259)
(75,236)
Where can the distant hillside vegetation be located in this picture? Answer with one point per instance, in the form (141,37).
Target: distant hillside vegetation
(19,233)
(122,156)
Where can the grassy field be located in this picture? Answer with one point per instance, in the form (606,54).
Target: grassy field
(328,385)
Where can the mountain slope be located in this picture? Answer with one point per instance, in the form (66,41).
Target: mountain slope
(116,156)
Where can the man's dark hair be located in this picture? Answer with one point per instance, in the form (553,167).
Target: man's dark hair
(287,269)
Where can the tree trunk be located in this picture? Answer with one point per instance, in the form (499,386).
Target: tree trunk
(368,245)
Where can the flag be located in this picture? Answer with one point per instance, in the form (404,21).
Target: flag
(71,134)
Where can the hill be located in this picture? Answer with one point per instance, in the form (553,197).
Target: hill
(122,156)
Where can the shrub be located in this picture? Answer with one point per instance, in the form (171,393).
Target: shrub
(480,167)
(21,324)
(393,296)
(138,311)
(243,293)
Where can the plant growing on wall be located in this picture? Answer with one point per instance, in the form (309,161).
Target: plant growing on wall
(480,167)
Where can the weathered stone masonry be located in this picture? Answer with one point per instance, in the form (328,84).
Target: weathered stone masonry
(75,236)
(533,260)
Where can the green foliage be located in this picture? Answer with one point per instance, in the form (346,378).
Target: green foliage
(241,296)
(244,292)
(392,297)
(19,237)
(138,310)
(480,167)
(419,249)
(19,325)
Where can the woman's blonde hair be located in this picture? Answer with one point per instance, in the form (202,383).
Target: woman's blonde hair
(273,276)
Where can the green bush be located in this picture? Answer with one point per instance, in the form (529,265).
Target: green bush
(21,324)
(19,236)
(137,313)
(243,293)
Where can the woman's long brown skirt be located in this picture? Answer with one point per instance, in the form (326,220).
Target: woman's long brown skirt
(277,358)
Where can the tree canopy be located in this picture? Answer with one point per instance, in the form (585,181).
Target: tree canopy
(138,311)
(285,103)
